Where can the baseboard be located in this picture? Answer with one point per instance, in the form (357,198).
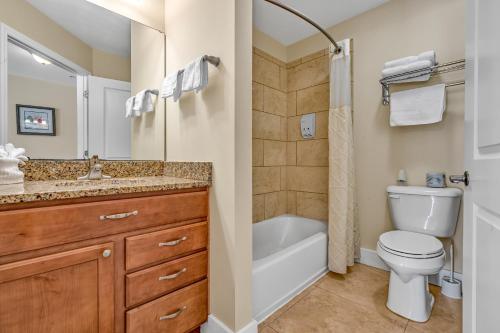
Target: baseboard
(214,325)
(370,258)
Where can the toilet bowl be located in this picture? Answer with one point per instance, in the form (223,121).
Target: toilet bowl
(413,252)
(411,257)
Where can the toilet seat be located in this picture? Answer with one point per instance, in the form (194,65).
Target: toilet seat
(410,244)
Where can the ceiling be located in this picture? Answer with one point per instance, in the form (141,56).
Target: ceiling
(97,27)
(21,63)
(288,28)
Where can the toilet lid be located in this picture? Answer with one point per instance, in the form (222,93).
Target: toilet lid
(411,244)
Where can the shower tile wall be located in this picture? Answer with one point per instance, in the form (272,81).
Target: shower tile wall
(307,159)
(269,136)
(290,174)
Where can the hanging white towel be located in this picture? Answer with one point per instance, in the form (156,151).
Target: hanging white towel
(195,75)
(414,66)
(129,107)
(143,102)
(418,106)
(427,55)
(172,86)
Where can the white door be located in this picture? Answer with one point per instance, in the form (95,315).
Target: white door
(481,307)
(109,132)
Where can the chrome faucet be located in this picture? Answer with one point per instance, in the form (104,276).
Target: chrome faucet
(95,170)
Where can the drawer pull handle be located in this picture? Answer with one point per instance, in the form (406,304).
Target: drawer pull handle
(172,276)
(173,315)
(174,242)
(118,216)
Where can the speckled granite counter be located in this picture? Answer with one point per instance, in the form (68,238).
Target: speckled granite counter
(55,180)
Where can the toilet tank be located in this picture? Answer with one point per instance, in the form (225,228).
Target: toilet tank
(432,211)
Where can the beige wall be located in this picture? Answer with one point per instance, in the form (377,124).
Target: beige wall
(29,91)
(215,125)
(148,71)
(148,12)
(396,29)
(110,66)
(269,134)
(269,45)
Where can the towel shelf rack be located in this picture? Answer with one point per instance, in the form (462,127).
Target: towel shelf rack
(448,67)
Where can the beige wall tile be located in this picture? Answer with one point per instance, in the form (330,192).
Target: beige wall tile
(291,153)
(283,79)
(309,74)
(293,63)
(294,129)
(291,202)
(314,55)
(266,126)
(275,204)
(274,153)
(312,205)
(258,211)
(312,152)
(265,72)
(268,57)
(284,129)
(283,178)
(307,179)
(266,179)
(274,101)
(321,125)
(257,152)
(257,96)
(313,99)
(291,103)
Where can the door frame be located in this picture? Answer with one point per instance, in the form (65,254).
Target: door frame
(6,33)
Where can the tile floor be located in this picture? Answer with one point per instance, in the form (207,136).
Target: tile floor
(355,303)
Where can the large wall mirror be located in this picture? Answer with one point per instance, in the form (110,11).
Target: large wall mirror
(67,71)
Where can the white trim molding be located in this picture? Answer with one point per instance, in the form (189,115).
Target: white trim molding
(214,325)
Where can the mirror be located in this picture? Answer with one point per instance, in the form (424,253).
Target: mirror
(71,67)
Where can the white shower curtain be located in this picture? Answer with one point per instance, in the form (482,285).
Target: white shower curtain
(343,231)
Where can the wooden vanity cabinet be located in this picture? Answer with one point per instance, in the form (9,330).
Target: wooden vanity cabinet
(100,269)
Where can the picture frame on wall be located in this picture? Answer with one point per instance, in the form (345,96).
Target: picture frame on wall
(35,120)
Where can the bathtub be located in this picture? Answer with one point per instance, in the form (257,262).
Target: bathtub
(289,254)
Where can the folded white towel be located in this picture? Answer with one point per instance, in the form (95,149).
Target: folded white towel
(129,105)
(417,65)
(418,106)
(427,55)
(143,102)
(195,75)
(172,86)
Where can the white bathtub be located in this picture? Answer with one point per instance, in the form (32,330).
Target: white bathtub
(289,253)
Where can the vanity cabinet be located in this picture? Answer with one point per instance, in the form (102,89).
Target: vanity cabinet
(114,264)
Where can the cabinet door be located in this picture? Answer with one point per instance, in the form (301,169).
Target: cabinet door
(71,291)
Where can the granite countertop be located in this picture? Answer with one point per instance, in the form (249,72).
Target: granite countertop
(31,191)
(56,179)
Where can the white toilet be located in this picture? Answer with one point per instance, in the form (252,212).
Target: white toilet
(413,252)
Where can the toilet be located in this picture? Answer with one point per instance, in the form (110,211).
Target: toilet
(412,252)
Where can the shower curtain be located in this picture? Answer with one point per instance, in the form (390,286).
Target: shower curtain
(343,231)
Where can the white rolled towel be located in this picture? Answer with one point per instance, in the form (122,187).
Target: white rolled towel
(414,66)
(427,55)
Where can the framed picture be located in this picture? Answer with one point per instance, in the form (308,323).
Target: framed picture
(35,120)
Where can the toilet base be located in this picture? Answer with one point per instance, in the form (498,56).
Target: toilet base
(410,299)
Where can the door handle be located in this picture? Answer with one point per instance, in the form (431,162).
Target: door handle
(456,179)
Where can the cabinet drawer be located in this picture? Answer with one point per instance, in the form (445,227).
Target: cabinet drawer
(161,279)
(156,246)
(178,312)
(35,228)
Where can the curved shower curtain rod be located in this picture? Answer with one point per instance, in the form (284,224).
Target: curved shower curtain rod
(338,49)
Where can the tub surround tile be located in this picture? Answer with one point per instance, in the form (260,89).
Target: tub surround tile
(283,178)
(307,179)
(292,202)
(314,55)
(309,74)
(312,205)
(283,129)
(274,102)
(291,153)
(257,152)
(291,104)
(265,72)
(258,210)
(274,153)
(312,152)
(275,204)
(313,99)
(266,126)
(269,57)
(257,96)
(266,179)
